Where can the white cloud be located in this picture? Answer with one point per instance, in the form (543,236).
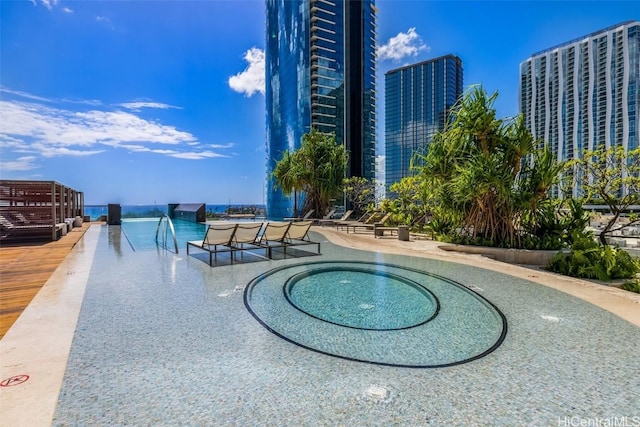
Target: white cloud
(138,105)
(105,21)
(24,163)
(220,145)
(37,129)
(93,102)
(67,10)
(197,155)
(50,151)
(251,80)
(24,94)
(27,95)
(402,46)
(49,4)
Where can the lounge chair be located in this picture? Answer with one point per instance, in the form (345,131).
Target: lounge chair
(368,226)
(366,218)
(330,221)
(326,217)
(218,238)
(274,236)
(361,220)
(246,237)
(298,235)
(303,218)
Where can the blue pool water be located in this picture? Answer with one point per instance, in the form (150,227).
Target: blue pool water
(141,233)
(361,298)
(378,313)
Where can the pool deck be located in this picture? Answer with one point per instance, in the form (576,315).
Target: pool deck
(25,268)
(35,351)
(618,301)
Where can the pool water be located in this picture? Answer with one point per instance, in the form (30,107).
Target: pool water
(360,298)
(377,313)
(141,233)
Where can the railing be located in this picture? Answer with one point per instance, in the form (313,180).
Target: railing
(168,226)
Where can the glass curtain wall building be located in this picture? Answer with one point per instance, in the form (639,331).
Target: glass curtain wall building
(584,94)
(418,99)
(320,73)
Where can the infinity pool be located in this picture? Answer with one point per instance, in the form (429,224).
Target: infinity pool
(141,233)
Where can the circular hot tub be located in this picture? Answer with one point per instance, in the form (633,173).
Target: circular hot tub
(377,313)
(361,298)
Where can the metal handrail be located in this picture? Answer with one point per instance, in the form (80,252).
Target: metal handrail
(168,226)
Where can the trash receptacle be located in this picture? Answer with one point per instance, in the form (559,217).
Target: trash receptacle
(403,233)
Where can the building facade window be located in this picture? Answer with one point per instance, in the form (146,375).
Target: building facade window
(320,73)
(583,94)
(418,99)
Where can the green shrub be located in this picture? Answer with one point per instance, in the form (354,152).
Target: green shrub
(589,260)
(632,286)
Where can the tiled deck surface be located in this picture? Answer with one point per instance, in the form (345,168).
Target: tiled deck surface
(118,337)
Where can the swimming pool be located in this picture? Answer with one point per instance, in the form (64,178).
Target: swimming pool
(141,233)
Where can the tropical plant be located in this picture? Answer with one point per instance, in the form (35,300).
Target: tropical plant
(317,168)
(410,201)
(360,193)
(632,286)
(288,176)
(611,177)
(590,260)
(491,183)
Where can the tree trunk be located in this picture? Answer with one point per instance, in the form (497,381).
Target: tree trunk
(609,226)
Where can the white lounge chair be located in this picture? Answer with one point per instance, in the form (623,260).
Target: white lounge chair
(217,238)
(302,218)
(274,236)
(247,236)
(331,221)
(298,235)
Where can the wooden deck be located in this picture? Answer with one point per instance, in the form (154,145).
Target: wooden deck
(25,268)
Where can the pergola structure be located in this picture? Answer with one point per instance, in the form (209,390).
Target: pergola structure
(37,210)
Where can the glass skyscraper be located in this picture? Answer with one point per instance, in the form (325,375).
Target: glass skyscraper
(584,94)
(320,73)
(418,99)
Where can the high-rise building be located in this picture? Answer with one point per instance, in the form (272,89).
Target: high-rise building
(418,99)
(584,94)
(320,73)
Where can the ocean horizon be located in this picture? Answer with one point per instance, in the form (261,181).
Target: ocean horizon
(153,211)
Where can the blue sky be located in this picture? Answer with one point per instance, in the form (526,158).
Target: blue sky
(142,102)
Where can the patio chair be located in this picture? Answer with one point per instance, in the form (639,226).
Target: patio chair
(303,218)
(329,214)
(274,236)
(247,237)
(330,221)
(343,222)
(369,225)
(366,218)
(217,238)
(298,235)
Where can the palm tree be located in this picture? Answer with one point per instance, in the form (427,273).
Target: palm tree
(317,168)
(288,177)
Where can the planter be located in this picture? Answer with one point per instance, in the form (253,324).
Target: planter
(512,256)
